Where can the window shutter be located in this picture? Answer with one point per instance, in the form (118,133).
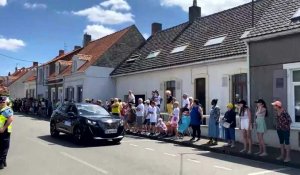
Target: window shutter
(280,86)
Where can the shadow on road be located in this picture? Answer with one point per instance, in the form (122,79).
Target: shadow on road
(66,141)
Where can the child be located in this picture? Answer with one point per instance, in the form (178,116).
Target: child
(184,124)
(161,127)
(175,119)
(152,111)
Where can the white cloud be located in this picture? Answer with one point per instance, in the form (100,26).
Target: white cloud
(11,44)
(104,15)
(146,35)
(116,5)
(98,31)
(3,2)
(28,5)
(62,12)
(207,7)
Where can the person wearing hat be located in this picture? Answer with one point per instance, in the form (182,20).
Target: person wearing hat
(6,118)
(213,126)
(169,101)
(246,121)
(283,127)
(261,128)
(229,123)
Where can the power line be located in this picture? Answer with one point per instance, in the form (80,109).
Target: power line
(13,58)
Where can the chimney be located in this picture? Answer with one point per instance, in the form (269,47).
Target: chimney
(77,47)
(194,12)
(16,69)
(156,27)
(61,52)
(8,73)
(86,39)
(35,64)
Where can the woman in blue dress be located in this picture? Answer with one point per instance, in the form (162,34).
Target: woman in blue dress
(213,126)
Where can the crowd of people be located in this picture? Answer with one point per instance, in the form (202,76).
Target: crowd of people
(145,117)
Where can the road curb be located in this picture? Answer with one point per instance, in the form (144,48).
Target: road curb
(223,150)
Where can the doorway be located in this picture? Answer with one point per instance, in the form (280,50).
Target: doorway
(201,92)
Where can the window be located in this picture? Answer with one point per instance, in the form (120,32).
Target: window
(245,34)
(296,94)
(74,67)
(239,87)
(79,93)
(171,86)
(57,68)
(215,41)
(131,60)
(153,54)
(296,16)
(40,75)
(47,72)
(179,49)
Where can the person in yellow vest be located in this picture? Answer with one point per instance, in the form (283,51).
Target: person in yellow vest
(6,118)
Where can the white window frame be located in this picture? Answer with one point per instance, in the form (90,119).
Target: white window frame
(245,34)
(57,65)
(74,66)
(290,91)
(179,48)
(296,14)
(215,41)
(153,54)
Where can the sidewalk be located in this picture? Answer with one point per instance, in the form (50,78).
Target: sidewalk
(273,153)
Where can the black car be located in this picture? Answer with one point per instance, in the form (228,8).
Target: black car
(85,122)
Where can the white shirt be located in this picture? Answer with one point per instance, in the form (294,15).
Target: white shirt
(152,114)
(146,107)
(185,102)
(140,110)
(176,112)
(131,98)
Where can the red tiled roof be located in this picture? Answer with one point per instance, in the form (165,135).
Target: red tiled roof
(63,56)
(67,71)
(65,63)
(97,48)
(18,74)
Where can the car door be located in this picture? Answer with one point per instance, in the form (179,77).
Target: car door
(69,120)
(61,112)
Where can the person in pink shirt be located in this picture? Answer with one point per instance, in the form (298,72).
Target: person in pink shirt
(161,127)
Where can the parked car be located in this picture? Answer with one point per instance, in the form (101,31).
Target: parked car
(85,122)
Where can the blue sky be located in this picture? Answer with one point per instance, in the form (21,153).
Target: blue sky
(36,29)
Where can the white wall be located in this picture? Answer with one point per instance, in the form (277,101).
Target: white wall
(17,89)
(145,83)
(95,81)
(30,85)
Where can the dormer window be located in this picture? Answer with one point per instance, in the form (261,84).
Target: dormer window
(153,54)
(132,58)
(179,49)
(245,34)
(57,67)
(296,16)
(215,41)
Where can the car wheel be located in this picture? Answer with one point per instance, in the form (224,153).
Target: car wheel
(116,141)
(78,135)
(53,130)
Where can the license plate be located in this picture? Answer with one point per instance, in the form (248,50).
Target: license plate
(111,131)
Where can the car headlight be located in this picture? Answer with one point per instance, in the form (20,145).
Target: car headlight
(91,122)
(121,122)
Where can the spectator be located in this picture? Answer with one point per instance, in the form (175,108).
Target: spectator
(146,116)
(174,120)
(196,119)
(99,103)
(157,98)
(185,102)
(213,125)
(284,122)
(246,121)
(161,127)
(131,117)
(139,115)
(169,102)
(131,97)
(152,111)
(261,128)
(229,123)
(115,108)
(191,100)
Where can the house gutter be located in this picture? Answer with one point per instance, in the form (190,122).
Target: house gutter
(274,35)
(239,57)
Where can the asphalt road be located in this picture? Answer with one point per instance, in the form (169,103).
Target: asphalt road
(34,152)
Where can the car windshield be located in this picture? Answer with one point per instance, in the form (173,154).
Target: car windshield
(89,109)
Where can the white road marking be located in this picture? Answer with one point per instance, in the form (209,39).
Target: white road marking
(270,171)
(134,145)
(150,149)
(223,168)
(173,155)
(195,161)
(84,163)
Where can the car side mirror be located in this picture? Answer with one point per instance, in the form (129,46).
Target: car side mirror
(71,114)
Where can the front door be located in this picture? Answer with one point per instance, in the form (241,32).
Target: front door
(201,92)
